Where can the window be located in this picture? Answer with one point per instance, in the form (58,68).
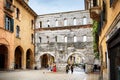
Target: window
(32,24)
(65,22)
(84,20)
(56,38)
(95,3)
(17,13)
(56,23)
(84,38)
(9,24)
(32,38)
(112,2)
(17,31)
(75,38)
(65,38)
(8,4)
(48,39)
(74,21)
(40,39)
(48,23)
(40,24)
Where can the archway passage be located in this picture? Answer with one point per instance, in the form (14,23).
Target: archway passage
(46,60)
(18,58)
(75,59)
(3,57)
(29,59)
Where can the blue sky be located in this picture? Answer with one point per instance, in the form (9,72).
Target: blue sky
(54,6)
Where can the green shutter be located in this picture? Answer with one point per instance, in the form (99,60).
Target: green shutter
(12,25)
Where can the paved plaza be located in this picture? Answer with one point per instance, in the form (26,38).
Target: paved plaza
(46,75)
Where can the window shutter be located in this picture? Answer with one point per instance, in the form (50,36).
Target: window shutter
(12,25)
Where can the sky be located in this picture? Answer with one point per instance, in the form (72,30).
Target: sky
(55,6)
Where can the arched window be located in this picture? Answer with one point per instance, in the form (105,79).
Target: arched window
(40,24)
(84,38)
(48,23)
(74,21)
(56,38)
(65,22)
(56,22)
(17,13)
(17,31)
(32,24)
(48,39)
(84,20)
(75,38)
(40,39)
(65,38)
(32,38)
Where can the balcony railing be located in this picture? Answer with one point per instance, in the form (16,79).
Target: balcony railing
(9,6)
(95,10)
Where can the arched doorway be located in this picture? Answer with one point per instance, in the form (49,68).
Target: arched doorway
(46,60)
(29,59)
(3,57)
(18,58)
(75,59)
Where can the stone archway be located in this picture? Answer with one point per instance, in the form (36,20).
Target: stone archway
(18,58)
(46,60)
(75,59)
(29,59)
(83,57)
(3,57)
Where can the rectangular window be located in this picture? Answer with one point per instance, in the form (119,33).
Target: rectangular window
(95,3)
(32,38)
(32,24)
(9,24)
(40,24)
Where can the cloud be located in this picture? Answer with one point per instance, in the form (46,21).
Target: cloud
(53,6)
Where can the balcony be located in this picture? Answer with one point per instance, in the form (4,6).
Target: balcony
(95,13)
(9,6)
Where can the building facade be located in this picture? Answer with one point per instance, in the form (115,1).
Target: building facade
(63,38)
(107,14)
(17,29)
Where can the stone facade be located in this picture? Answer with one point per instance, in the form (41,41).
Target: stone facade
(62,35)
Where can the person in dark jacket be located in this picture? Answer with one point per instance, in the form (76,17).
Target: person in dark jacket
(72,69)
(67,68)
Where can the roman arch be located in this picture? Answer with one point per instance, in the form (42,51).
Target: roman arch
(44,59)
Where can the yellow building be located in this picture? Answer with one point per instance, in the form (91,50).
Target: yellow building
(17,39)
(107,13)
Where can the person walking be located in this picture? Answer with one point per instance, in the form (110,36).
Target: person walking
(67,68)
(72,69)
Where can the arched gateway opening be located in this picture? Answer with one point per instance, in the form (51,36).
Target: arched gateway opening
(46,60)
(18,58)
(3,57)
(29,59)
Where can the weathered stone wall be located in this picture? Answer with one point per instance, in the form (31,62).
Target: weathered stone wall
(69,16)
(53,41)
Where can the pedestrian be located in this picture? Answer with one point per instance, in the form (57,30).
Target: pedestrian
(72,69)
(67,68)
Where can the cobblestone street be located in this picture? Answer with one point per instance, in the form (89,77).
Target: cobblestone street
(46,75)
